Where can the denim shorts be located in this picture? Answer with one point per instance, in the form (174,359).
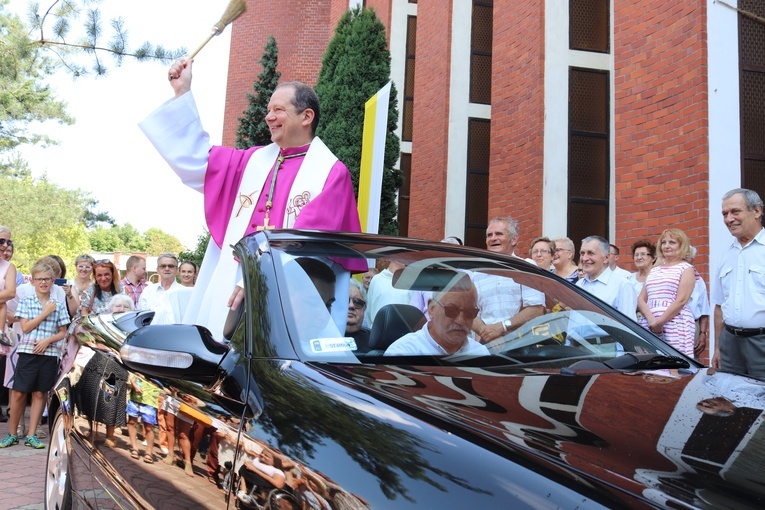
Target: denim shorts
(147,413)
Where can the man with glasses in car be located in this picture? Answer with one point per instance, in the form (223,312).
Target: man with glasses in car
(167,268)
(448,331)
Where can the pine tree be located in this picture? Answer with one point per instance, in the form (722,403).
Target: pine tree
(252,129)
(355,66)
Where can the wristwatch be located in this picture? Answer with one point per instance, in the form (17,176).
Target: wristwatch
(507,324)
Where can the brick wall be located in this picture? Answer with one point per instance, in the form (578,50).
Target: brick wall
(301,46)
(661,119)
(431,118)
(517,115)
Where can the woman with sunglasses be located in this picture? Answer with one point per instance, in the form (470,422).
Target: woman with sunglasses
(7,290)
(354,326)
(76,293)
(107,285)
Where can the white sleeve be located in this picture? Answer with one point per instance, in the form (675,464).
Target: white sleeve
(176,132)
(143,301)
(627,300)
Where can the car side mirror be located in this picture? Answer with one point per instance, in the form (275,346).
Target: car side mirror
(179,351)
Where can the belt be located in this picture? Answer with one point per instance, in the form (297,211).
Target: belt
(744,332)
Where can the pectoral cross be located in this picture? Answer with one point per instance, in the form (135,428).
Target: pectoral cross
(265,225)
(247,201)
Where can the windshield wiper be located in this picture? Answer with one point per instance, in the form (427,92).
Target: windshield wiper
(628,362)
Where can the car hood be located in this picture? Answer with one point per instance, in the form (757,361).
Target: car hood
(646,434)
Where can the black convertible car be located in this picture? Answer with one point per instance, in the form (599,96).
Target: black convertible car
(575,407)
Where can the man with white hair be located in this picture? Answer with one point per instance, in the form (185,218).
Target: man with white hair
(448,331)
(600,281)
(505,305)
(738,288)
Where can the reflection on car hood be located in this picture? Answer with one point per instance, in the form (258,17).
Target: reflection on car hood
(667,437)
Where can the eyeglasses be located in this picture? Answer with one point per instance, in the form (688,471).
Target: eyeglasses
(357,303)
(85,268)
(561,249)
(640,255)
(167,266)
(541,252)
(43,280)
(453,312)
(4,242)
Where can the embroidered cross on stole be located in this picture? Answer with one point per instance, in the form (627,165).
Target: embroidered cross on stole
(246,201)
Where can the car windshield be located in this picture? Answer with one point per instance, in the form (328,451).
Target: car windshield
(443,305)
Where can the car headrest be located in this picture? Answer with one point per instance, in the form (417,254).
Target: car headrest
(392,322)
(131,321)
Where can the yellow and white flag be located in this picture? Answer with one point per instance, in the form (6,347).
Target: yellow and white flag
(372,159)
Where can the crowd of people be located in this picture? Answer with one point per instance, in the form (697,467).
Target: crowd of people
(36,309)
(664,292)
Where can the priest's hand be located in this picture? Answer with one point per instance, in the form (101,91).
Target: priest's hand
(179,75)
(236,298)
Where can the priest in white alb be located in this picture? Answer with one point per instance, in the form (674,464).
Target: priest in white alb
(295,182)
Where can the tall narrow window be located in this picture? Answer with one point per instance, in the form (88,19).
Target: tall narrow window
(589,28)
(751,36)
(481,36)
(589,172)
(411,37)
(477,189)
(405,162)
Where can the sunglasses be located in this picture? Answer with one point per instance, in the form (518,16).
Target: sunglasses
(167,266)
(453,312)
(4,242)
(357,303)
(103,261)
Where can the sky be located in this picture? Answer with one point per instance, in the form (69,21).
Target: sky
(104,152)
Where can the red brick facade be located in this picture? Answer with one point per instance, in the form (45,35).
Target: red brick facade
(661,120)
(431,118)
(660,110)
(517,114)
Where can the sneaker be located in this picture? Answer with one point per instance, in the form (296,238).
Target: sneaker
(243,497)
(33,442)
(9,440)
(40,432)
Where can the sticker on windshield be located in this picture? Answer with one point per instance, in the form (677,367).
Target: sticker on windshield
(333,345)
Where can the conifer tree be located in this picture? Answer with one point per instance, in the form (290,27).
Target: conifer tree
(252,129)
(355,66)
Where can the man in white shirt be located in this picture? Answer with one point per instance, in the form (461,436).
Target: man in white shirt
(167,268)
(738,288)
(613,260)
(448,331)
(505,305)
(600,281)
